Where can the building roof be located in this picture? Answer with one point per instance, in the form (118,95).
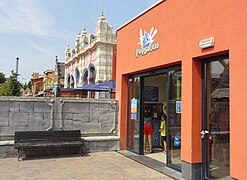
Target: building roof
(40,78)
(48,71)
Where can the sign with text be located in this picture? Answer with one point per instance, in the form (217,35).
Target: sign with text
(146,40)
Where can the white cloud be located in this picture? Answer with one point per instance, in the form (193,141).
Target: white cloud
(27,16)
(44,51)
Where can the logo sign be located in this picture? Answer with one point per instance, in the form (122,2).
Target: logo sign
(147,43)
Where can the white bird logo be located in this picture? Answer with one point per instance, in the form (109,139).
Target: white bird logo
(147,39)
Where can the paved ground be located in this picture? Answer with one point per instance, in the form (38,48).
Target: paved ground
(105,165)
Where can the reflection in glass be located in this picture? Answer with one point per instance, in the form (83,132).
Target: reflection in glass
(218,156)
(174,119)
(133,122)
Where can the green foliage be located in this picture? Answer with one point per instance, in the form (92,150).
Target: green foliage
(29,85)
(2,78)
(11,87)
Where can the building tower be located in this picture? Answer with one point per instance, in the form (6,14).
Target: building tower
(90,61)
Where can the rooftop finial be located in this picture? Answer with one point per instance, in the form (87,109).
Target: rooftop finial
(102,8)
(84,30)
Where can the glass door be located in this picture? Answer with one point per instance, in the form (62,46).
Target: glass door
(133,122)
(174,119)
(159,92)
(215,126)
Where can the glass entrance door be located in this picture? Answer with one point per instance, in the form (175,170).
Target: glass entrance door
(215,125)
(174,119)
(158,92)
(133,123)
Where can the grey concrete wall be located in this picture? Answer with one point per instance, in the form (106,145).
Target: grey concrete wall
(96,118)
(91,116)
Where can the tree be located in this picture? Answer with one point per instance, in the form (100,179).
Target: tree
(2,78)
(11,87)
(29,85)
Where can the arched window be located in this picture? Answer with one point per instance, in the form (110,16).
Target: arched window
(92,74)
(77,75)
(72,82)
(68,80)
(85,77)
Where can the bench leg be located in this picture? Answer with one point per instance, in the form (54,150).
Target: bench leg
(81,149)
(18,151)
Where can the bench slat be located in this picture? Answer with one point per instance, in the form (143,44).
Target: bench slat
(49,144)
(27,136)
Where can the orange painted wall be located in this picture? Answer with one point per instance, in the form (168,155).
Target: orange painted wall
(181,25)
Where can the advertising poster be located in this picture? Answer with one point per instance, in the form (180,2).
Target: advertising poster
(178,106)
(133,109)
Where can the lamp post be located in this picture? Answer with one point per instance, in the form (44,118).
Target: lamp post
(17,67)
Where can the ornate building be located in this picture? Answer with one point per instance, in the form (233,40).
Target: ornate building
(92,60)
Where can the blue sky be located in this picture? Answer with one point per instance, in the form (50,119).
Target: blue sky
(38,30)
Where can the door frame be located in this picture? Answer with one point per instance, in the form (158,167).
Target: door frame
(204,118)
(142,75)
(204,131)
(168,141)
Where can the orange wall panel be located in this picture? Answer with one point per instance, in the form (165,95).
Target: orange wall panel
(181,26)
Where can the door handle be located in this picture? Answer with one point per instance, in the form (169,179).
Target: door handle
(203,133)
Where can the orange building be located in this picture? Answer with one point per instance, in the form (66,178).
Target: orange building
(37,83)
(186,59)
(48,81)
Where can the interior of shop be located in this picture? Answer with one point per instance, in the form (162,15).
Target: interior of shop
(155,112)
(155,98)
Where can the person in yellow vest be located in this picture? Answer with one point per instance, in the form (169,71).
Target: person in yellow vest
(163,131)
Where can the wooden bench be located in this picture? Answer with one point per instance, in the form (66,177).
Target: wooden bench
(38,140)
